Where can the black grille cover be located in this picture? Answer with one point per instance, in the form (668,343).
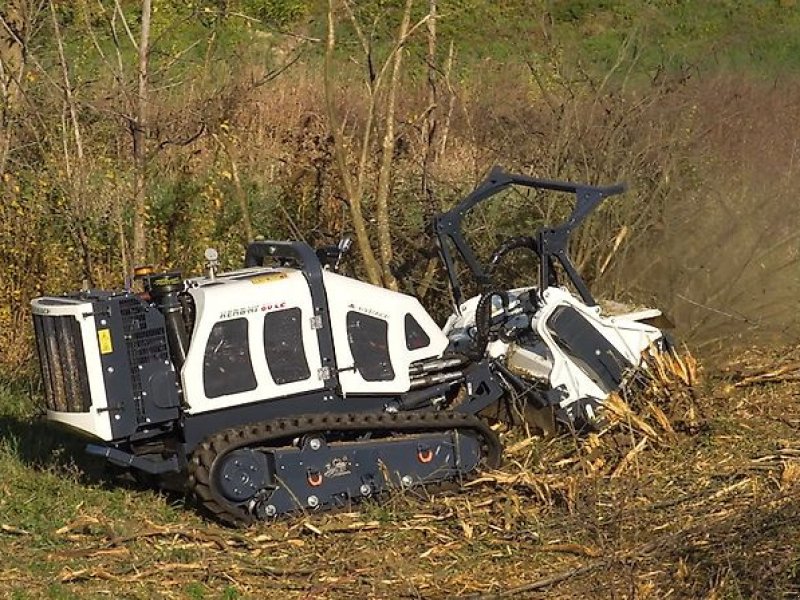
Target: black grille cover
(63,363)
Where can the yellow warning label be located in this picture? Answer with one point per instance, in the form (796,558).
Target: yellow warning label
(104,337)
(267,277)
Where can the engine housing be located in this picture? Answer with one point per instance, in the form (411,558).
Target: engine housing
(105,364)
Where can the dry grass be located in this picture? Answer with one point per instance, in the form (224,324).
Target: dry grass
(644,508)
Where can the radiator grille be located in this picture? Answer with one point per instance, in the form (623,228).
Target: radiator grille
(144,344)
(61,356)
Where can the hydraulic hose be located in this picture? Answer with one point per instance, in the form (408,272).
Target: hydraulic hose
(483,321)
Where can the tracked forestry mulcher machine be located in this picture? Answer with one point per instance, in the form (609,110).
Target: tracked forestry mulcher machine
(286,386)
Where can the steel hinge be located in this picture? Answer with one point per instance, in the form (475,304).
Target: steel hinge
(324,373)
(316,322)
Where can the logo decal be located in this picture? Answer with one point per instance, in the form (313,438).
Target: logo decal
(249,310)
(267,277)
(369,311)
(338,467)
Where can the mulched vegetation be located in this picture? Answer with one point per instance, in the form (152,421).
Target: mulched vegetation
(690,489)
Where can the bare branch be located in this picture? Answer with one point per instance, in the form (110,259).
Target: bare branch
(120,71)
(387,156)
(118,10)
(355,199)
(365,44)
(138,128)
(431,121)
(451,102)
(174,60)
(241,197)
(70,102)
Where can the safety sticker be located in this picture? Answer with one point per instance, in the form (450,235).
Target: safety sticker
(267,277)
(104,337)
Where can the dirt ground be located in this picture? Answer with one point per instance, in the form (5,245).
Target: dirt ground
(692,493)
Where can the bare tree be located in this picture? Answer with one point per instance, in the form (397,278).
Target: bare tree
(17,20)
(378,92)
(74,170)
(238,188)
(353,189)
(139,132)
(429,134)
(387,154)
(432,110)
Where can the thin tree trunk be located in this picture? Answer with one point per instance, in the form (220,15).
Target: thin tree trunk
(451,102)
(431,127)
(354,195)
(241,197)
(433,109)
(75,175)
(139,127)
(387,157)
(12,69)
(68,97)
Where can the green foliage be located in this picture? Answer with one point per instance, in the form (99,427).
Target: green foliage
(278,13)
(57,591)
(195,591)
(230,593)
(575,11)
(760,35)
(743,34)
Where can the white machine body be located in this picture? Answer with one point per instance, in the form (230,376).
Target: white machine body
(544,359)
(233,316)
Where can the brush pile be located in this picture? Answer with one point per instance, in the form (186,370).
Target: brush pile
(661,404)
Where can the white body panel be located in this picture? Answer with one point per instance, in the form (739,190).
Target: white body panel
(252,293)
(248,294)
(547,361)
(630,338)
(345,295)
(96,422)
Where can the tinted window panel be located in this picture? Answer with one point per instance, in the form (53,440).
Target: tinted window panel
(283,345)
(369,344)
(416,337)
(227,368)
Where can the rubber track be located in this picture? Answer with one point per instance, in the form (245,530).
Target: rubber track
(261,434)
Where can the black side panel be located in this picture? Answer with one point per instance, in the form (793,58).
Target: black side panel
(587,347)
(146,344)
(227,368)
(369,343)
(283,346)
(140,382)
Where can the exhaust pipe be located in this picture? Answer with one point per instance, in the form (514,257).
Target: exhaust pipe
(164,289)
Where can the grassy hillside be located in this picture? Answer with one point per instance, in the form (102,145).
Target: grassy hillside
(762,36)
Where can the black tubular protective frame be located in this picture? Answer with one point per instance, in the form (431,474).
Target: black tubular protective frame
(552,241)
(306,259)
